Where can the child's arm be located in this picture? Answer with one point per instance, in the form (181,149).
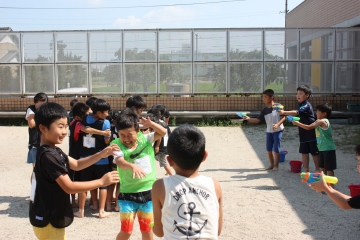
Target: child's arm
(337,197)
(31,121)
(275,126)
(252,120)
(157,145)
(219,196)
(71,187)
(106,133)
(88,161)
(158,196)
(159,130)
(315,124)
(123,164)
(288,113)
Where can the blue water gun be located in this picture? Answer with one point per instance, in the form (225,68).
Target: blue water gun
(291,118)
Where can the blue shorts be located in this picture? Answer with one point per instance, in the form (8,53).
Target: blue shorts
(31,157)
(273,141)
(128,211)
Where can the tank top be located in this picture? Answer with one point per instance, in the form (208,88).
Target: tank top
(191,208)
(324,138)
(143,156)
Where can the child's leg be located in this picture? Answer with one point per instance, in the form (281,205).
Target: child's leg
(271,159)
(305,161)
(102,200)
(116,197)
(316,162)
(145,217)
(109,197)
(277,137)
(315,154)
(127,216)
(269,149)
(81,201)
(94,199)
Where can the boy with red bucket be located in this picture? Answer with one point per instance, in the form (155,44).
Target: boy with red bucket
(344,201)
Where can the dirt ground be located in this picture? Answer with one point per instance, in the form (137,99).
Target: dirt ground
(258,204)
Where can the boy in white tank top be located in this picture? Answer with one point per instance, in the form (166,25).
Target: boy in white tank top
(187,205)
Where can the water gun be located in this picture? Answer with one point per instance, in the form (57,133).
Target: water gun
(241,114)
(277,107)
(314,177)
(291,118)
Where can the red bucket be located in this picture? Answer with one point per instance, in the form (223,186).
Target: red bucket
(295,166)
(354,189)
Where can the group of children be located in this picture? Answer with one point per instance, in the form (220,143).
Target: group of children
(129,144)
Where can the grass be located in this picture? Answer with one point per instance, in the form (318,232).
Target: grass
(13,122)
(216,122)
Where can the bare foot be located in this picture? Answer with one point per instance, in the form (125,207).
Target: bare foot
(103,214)
(116,208)
(269,167)
(94,207)
(275,169)
(79,214)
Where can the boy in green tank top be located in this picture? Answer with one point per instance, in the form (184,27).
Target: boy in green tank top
(136,167)
(325,142)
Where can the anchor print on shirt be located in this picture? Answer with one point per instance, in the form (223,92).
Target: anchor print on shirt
(193,229)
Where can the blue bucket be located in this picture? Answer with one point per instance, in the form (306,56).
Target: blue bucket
(282,156)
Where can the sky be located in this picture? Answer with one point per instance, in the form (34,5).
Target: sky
(40,15)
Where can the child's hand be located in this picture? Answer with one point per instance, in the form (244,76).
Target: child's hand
(156,150)
(110,178)
(275,126)
(320,186)
(107,133)
(280,112)
(246,117)
(296,123)
(137,172)
(146,122)
(109,150)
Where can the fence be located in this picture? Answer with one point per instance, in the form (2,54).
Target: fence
(180,61)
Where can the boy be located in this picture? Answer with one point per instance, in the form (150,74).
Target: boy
(307,137)
(160,145)
(91,145)
(187,205)
(165,114)
(79,110)
(325,142)
(50,211)
(90,101)
(34,139)
(274,128)
(136,167)
(136,103)
(343,201)
(72,103)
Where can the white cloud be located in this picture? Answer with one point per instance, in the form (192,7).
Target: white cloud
(166,17)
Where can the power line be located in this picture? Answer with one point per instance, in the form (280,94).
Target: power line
(144,6)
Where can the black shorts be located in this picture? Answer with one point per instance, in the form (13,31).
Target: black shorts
(94,172)
(309,147)
(327,160)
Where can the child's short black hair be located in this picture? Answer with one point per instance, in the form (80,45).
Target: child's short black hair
(72,102)
(324,108)
(269,92)
(152,117)
(113,114)
(40,97)
(135,101)
(90,101)
(306,89)
(159,107)
(80,109)
(127,118)
(357,150)
(155,112)
(48,113)
(186,147)
(100,105)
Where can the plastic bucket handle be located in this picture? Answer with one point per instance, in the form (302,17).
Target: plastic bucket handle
(283,152)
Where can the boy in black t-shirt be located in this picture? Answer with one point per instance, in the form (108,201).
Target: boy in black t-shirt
(307,137)
(344,201)
(50,209)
